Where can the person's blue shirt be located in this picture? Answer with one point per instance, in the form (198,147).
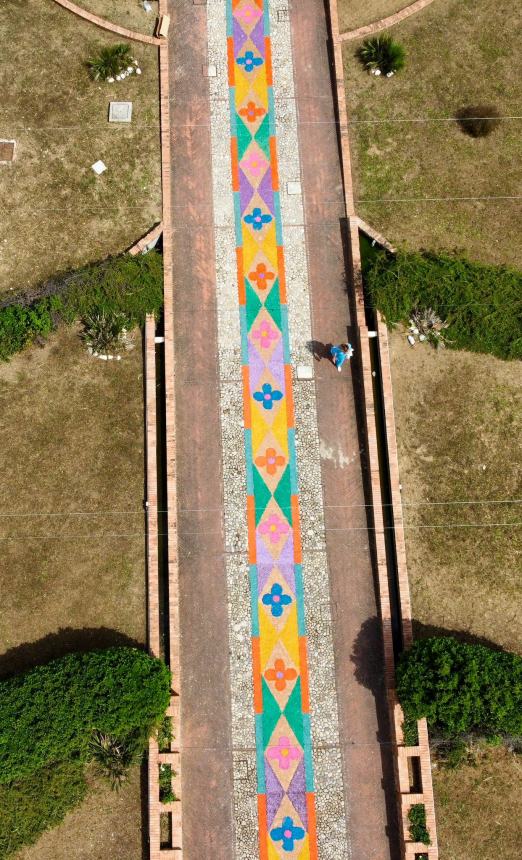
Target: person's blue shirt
(339,355)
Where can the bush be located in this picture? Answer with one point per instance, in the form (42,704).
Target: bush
(478,120)
(37,803)
(49,714)
(110,61)
(166,794)
(417,819)
(461,688)
(383,54)
(482,304)
(165,734)
(124,288)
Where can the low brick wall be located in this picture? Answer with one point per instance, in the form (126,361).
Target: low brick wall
(405,795)
(107,25)
(384,23)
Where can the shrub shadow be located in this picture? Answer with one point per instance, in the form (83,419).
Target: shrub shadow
(424,631)
(65,641)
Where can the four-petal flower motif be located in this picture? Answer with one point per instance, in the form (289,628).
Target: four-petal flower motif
(267,396)
(257,218)
(250,14)
(288,833)
(265,334)
(249,61)
(284,752)
(279,674)
(270,461)
(274,527)
(276,599)
(256,163)
(251,112)
(261,276)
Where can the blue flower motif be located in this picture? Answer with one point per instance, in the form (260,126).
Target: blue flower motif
(287,834)
(249,61)
(267,395)
(276,599)
(257,219)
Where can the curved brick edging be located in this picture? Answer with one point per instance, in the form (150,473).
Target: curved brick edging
(140,246)
(384,23)
(405,798)
(375,235)
(107,25)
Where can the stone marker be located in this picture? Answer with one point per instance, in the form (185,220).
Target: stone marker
(120,111)
(99,167)
(293,187)
(7,151)
(304,372)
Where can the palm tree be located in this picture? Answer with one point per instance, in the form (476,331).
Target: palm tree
(382,54)
(110,61)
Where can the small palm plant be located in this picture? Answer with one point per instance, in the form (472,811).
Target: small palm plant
(104,332)
(110,61)
(429,326)
(381,55)
(112,757)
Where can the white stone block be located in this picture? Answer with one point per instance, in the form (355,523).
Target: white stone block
(99,167)
(304,372)
(293,187)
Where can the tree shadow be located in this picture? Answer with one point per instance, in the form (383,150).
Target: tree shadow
(424,631)
(65,641)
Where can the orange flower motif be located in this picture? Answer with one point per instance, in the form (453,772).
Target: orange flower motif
(270,461)
(261,276)
(280,674)
(251,112)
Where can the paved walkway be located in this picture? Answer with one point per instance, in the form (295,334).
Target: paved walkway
(284,732)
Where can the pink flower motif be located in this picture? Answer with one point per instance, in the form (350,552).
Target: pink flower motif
(256,163)
(274,527)
(284,752)
(249,13)
(265,334)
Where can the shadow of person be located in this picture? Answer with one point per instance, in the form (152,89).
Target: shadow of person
(319,350)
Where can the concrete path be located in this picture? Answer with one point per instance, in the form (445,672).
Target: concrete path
(284,732)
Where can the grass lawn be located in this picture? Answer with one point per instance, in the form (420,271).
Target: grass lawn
(459,52)
(126,13)
(56,213)
(357,13)
(72,440)
(457,413)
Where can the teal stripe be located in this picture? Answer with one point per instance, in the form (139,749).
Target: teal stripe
(277,209)
(249,458)
(230,22)
(299,593)
(266,18)
(233,127)
(261,785)
(293,464)
(309,767)
(271,112)
(244,334)
(253,600)
(284,329)
(237,218)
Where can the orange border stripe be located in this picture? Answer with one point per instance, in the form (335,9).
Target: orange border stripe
(303,664)
(230,62)
(263,827)
(251,524)
(268,60)
(240,277)
(256,671)
(282,274)
(235,163)
(275,168)
(245,370)
(312,825)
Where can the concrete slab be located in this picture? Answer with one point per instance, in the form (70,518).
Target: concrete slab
(120,111)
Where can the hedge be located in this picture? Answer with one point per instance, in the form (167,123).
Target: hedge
(49,714)
(132,286)
(37,803)
(481,303)
(461,688)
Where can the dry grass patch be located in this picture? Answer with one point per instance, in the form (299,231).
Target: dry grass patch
(358,13)
(459,52)
(106,825)
(477,808)
(72,441)
(126,13)
(56,213)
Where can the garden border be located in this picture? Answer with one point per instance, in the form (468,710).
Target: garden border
(107,25)
(384,23)
(405,797)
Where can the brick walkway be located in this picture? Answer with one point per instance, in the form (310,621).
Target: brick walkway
(285,747)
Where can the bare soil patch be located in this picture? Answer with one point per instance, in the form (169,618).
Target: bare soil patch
(459,52)
(126,13)
(56,213)
(358,13)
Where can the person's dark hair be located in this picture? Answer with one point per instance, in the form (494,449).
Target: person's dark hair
(345,347)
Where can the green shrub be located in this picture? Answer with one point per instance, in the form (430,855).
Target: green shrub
(481,303)
(109,61)
(50,713)
(410,732)
(478,120)
(461,688)
(165,734)
(37,803)
(124,288)
(417,819)
(166,793)
(383,54)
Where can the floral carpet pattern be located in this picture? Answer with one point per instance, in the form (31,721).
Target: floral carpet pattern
(285,777)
